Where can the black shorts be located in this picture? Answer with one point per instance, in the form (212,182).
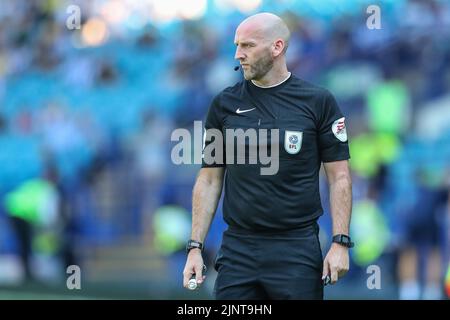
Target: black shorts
(279,265)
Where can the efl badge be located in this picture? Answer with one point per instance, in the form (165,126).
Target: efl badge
(293,141)
(339,129)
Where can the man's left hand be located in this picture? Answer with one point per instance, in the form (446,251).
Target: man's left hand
(336,263)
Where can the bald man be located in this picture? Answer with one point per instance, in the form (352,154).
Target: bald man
(271,248)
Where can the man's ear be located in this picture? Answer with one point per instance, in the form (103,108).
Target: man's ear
(278,47)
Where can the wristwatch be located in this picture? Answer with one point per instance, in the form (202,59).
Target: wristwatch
(193,244)
(344,240)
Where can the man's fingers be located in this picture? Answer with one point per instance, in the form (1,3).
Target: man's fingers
(186,277)
(193,271)
(326,269)
(334,275)
(199,274)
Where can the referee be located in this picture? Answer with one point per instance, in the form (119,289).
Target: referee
(271,248)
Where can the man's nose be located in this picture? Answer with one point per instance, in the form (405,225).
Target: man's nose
(239,55)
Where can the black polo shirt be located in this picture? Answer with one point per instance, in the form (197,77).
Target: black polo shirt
(311,131)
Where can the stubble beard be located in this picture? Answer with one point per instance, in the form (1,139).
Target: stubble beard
(260,68)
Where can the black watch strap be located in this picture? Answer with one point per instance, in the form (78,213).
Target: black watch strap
(344,240)
(193,244)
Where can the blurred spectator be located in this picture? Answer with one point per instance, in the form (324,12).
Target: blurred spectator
(420,261)
(34,208)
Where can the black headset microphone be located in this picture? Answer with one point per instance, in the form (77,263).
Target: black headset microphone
(236,68)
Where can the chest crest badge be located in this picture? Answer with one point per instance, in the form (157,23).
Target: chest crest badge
(293,141)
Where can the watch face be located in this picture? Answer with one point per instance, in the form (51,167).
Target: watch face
(343,240)
(193,244)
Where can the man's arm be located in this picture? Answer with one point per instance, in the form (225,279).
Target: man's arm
(336,263)
(206,196)
(340,183)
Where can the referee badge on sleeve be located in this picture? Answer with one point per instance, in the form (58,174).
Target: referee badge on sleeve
(339,129)
(293,141)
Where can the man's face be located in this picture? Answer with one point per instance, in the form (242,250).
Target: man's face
(253,52)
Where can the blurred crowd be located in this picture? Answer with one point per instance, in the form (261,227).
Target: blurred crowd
(86,117)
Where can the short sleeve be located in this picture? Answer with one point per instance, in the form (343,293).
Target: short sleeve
(213,157)
(332,131)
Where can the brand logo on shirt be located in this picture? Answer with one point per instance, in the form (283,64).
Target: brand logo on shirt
(238,111)
(293,141)
(339,129)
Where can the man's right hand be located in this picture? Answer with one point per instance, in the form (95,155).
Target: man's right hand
(194,264)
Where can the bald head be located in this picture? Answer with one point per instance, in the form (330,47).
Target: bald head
(261,41)
(267,27)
